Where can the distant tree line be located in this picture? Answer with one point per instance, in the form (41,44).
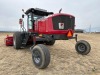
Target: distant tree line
(79,31)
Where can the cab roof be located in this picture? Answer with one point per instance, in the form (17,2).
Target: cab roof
(38,11)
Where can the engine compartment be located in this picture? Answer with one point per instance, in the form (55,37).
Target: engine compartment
(55,24)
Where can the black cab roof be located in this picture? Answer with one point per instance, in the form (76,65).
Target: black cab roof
(38,11)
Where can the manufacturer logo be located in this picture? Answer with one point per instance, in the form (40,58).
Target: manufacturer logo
(61,25)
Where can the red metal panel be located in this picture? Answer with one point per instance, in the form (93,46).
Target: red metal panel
(8,40)
(42,26)
(45,26)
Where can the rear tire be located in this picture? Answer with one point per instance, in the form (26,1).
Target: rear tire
(83,47)
(52,42)
(41,56)
(17,40)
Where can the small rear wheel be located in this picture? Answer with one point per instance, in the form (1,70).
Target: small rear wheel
(41,56)
(83,47)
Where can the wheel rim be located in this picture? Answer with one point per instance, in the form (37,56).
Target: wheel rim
(37,57)
(81,47)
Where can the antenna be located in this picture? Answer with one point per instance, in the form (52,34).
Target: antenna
(60,10)
(23,11)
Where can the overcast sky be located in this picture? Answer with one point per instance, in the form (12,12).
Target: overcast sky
(87,12)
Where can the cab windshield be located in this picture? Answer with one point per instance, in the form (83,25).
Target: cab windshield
(36,17)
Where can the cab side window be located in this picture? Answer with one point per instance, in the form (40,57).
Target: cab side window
(30,25)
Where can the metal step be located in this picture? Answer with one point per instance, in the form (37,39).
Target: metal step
(25,40)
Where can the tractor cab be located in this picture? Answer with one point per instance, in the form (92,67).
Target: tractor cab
(33,14)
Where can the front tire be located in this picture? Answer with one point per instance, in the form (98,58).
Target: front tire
(41,56)
(83,47)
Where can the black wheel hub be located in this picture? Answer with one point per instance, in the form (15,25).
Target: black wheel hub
(36,57)
(81,47)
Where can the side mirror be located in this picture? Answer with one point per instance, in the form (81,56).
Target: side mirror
(22,15)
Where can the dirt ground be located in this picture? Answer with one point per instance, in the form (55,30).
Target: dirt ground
(64,59)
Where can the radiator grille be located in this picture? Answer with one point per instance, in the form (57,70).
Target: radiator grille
(67,21)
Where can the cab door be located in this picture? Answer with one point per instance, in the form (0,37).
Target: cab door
(30,22)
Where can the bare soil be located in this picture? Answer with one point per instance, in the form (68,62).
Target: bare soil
(64,59)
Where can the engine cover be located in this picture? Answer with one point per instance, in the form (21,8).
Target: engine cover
(55,24)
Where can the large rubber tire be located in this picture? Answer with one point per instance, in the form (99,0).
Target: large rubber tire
(17,40)
(41,56)
(52,42)
(83,47)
